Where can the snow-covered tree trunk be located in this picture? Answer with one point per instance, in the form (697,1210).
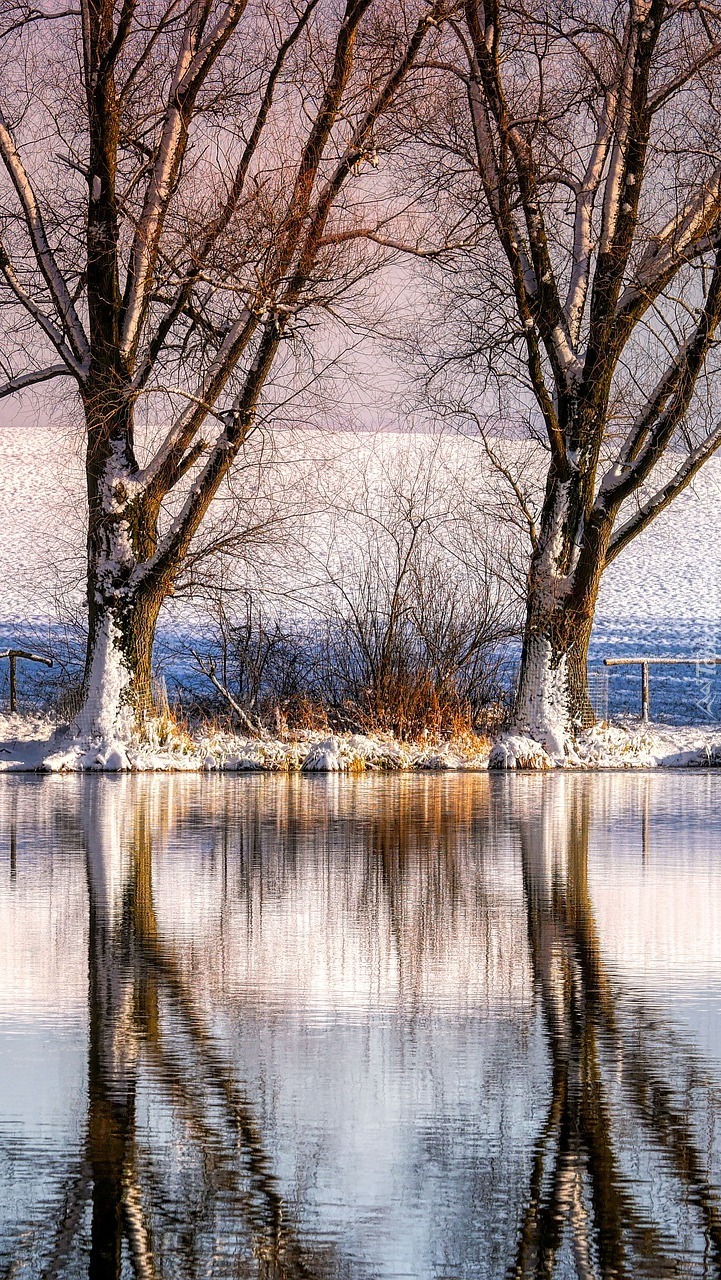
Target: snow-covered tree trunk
(118,689)
(552,702)
(123,604)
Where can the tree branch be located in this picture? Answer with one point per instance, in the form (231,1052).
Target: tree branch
(33,377)
(192,64)
(222,221)
(658,502)
(665,409)
(43,253)
(667,252)
(49,328)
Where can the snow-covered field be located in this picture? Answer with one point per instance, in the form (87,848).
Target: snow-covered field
(662,596)
(671,574)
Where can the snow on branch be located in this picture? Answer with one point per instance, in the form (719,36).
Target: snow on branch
(32,378)
(45,258)
(583,239)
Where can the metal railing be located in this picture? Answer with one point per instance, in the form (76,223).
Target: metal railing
(645,663)
(13,655)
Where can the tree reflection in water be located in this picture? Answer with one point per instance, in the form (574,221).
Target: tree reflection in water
(430,861)
(597,1034)
(136,990)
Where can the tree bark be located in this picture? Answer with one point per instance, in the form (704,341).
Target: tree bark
(123,601)
(552,702)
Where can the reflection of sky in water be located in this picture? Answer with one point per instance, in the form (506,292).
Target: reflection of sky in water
(361,955)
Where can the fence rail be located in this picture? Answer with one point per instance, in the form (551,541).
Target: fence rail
(12,655)
(645,662)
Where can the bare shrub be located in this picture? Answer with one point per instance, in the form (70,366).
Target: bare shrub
(403,623)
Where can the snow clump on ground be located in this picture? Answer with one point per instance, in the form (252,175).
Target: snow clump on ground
(37,743)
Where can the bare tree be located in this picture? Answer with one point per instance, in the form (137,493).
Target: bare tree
(581,148)
(179,185)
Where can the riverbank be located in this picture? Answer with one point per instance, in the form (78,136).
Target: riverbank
(36,743)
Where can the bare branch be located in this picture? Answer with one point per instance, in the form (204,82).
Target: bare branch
(49,328)
(32,378)
(662,498)
(222,221)
(45,258)
(195,57)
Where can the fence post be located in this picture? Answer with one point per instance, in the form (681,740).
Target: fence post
(645,701)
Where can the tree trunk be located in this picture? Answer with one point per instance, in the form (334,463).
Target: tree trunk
(552,702)
(118,672)
(123,605)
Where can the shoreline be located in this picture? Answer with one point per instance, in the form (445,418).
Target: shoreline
(36,744)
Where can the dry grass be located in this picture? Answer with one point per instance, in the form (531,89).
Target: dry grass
(416,716)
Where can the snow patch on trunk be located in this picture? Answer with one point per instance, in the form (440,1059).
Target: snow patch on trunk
(542,708)
(106,715)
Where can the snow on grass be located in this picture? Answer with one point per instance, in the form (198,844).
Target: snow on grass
(35,743)
(624,745)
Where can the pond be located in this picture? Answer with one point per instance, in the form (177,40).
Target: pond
(428,1026)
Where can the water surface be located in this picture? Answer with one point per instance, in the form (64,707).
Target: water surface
(414,1026)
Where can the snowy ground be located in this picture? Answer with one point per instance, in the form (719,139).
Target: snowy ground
(32,743)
